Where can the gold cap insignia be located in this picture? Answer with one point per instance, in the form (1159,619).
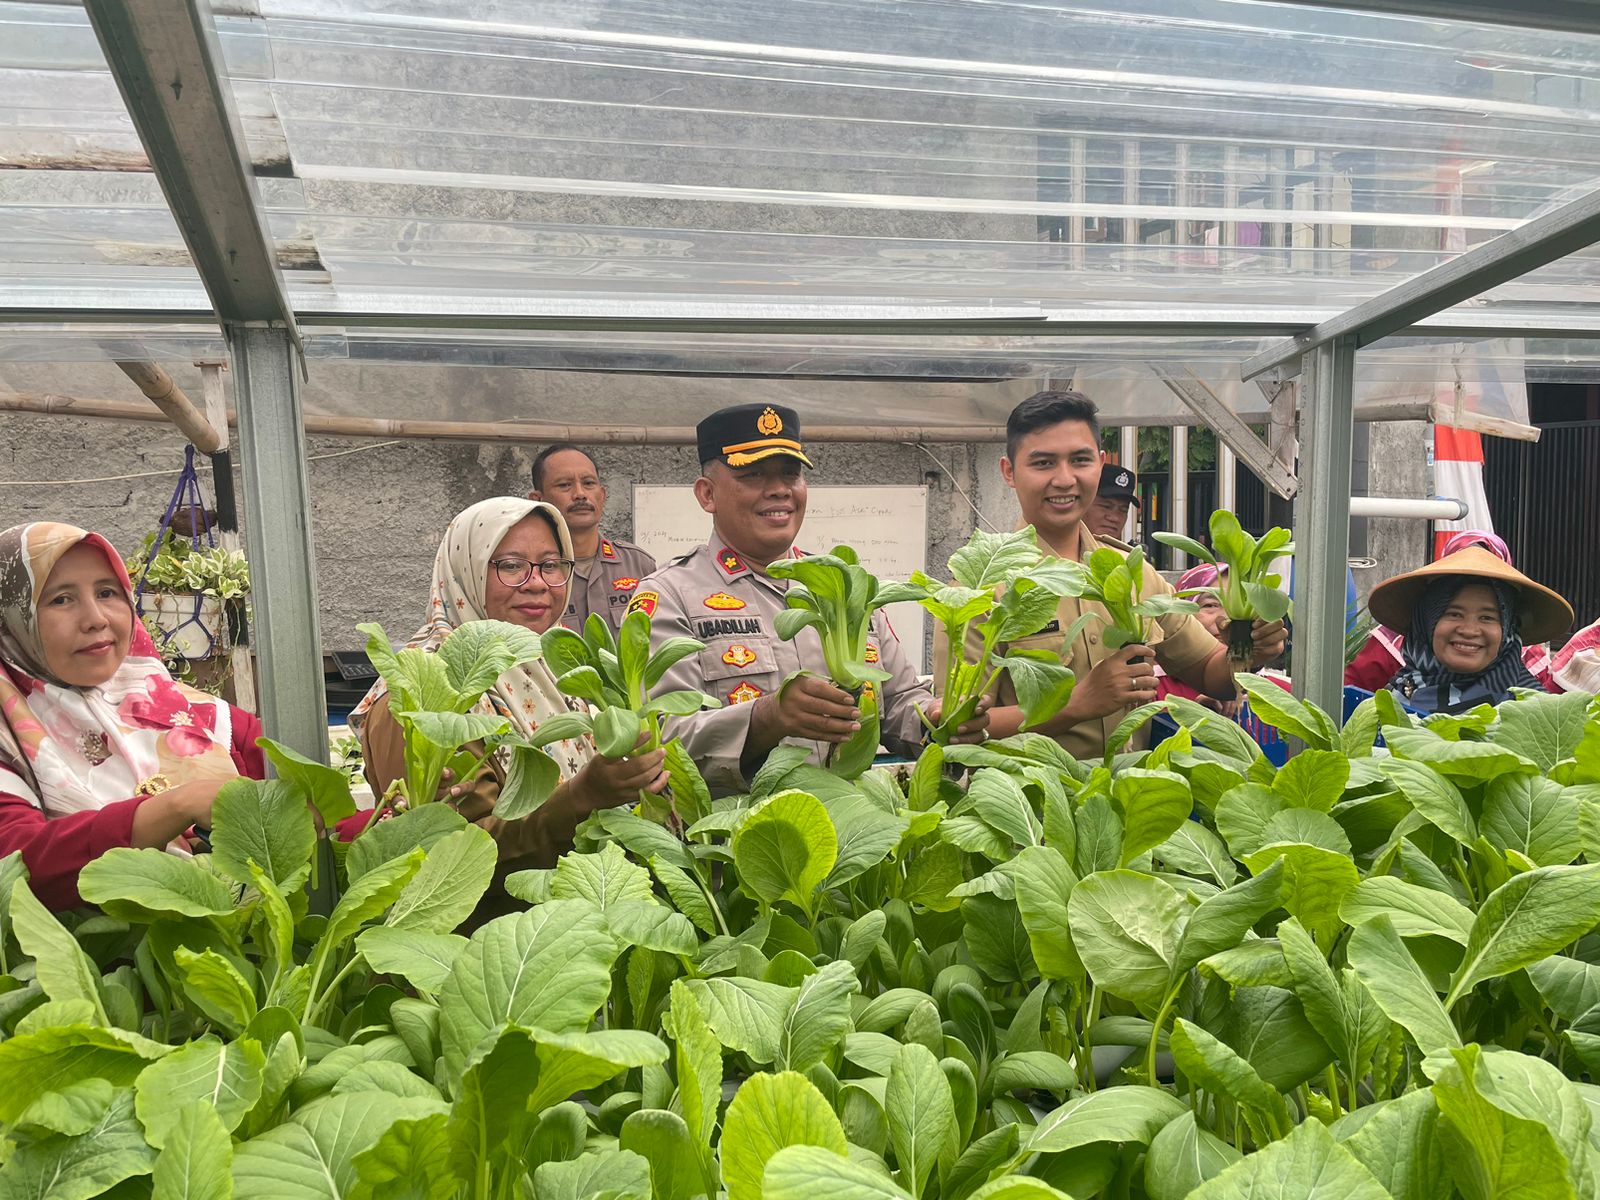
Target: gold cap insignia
(769,422)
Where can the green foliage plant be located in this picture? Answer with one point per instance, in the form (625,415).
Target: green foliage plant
(1116,582)
(1246,584)
(180,567)
(835,595)
(1173,973)
(1006,590)
(615,673)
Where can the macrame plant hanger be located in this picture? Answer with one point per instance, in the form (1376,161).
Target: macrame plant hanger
(186,493)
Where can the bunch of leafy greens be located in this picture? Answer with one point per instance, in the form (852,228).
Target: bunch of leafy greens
(1178,972)
(1116,582)
(615,674)
(436,698)
(1005,589)
(835,595)
(1246,583)
(179,566)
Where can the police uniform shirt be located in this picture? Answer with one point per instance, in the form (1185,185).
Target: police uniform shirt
(1180,643)
(711,594)
(612,579)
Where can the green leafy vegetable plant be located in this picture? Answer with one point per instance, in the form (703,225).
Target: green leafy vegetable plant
(1246,583)
(1177,972)
(835,595)
(615,673)
(433,695)
(1005,589)
(1116,582)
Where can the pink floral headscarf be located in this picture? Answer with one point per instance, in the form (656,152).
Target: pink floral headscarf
(70,749)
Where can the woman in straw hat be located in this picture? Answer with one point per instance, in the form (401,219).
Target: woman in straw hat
(1466,617)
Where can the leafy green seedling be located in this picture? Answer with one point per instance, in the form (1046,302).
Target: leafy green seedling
(432,697)
(835,595)
(615,673)
(1005,589)
(1116,582)
(1246,584)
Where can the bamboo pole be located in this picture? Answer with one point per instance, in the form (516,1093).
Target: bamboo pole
(167,396)
(536,432)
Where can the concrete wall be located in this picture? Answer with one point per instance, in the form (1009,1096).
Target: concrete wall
(380,508)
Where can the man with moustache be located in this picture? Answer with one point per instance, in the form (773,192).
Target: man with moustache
(608,569)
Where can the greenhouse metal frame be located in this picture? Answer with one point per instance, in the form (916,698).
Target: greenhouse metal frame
(168,64)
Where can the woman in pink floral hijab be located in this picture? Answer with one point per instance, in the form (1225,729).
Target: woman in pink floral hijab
(99,747)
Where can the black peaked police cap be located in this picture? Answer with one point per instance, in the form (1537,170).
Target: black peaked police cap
(748,433)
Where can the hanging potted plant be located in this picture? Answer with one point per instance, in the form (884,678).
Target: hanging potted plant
(192,597)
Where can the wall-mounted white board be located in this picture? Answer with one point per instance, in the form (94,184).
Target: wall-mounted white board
(888,526)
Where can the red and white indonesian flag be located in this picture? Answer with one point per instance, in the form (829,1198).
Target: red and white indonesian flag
(1458,474)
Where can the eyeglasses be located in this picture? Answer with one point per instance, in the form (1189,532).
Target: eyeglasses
(514,572)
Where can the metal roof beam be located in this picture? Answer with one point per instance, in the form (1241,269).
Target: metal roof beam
(1230,428)
(167,62)
(1563,16)
(1544,239)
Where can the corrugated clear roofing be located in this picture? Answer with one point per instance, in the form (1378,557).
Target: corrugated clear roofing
(441,164)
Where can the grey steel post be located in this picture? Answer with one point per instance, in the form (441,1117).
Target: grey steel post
(1227,477)
(283,588)
(1178,510)
(1322,522)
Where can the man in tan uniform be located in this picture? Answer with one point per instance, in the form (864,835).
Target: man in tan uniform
(753,485)
(608,569)
(1053,463)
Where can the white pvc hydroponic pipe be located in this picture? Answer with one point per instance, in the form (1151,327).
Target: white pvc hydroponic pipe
(1440,508)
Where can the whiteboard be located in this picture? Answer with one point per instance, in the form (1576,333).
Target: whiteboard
(887,526)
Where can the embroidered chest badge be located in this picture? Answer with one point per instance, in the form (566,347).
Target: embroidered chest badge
(872,653)
(739,655)
(723,602)
(625,584)
(744,693)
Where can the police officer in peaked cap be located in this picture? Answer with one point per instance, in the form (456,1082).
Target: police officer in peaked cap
(752,485)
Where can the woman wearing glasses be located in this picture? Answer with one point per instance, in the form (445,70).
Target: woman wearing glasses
(509,559)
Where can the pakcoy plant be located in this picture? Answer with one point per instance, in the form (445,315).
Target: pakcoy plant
(616,673)
(835,595)
(1246,584)
(1116,582)
(434,697)
(1005,589)
(1176,972)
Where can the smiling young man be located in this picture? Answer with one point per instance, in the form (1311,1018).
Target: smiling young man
(1053,463)
(608,569)
(753,484)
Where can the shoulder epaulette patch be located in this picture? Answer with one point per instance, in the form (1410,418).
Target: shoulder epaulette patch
(608,551)
(644,602)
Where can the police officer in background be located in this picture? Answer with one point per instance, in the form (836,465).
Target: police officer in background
(753,484)
(608,569)
(1119,493)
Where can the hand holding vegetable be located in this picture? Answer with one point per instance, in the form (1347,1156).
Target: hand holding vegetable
(809,707)
(1268,640)
(1116,683)
(612,782)
(971,731)
(1247,586)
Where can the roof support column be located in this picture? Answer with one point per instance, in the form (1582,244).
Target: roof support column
(1322,522)
(283,587)
(1178,481)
